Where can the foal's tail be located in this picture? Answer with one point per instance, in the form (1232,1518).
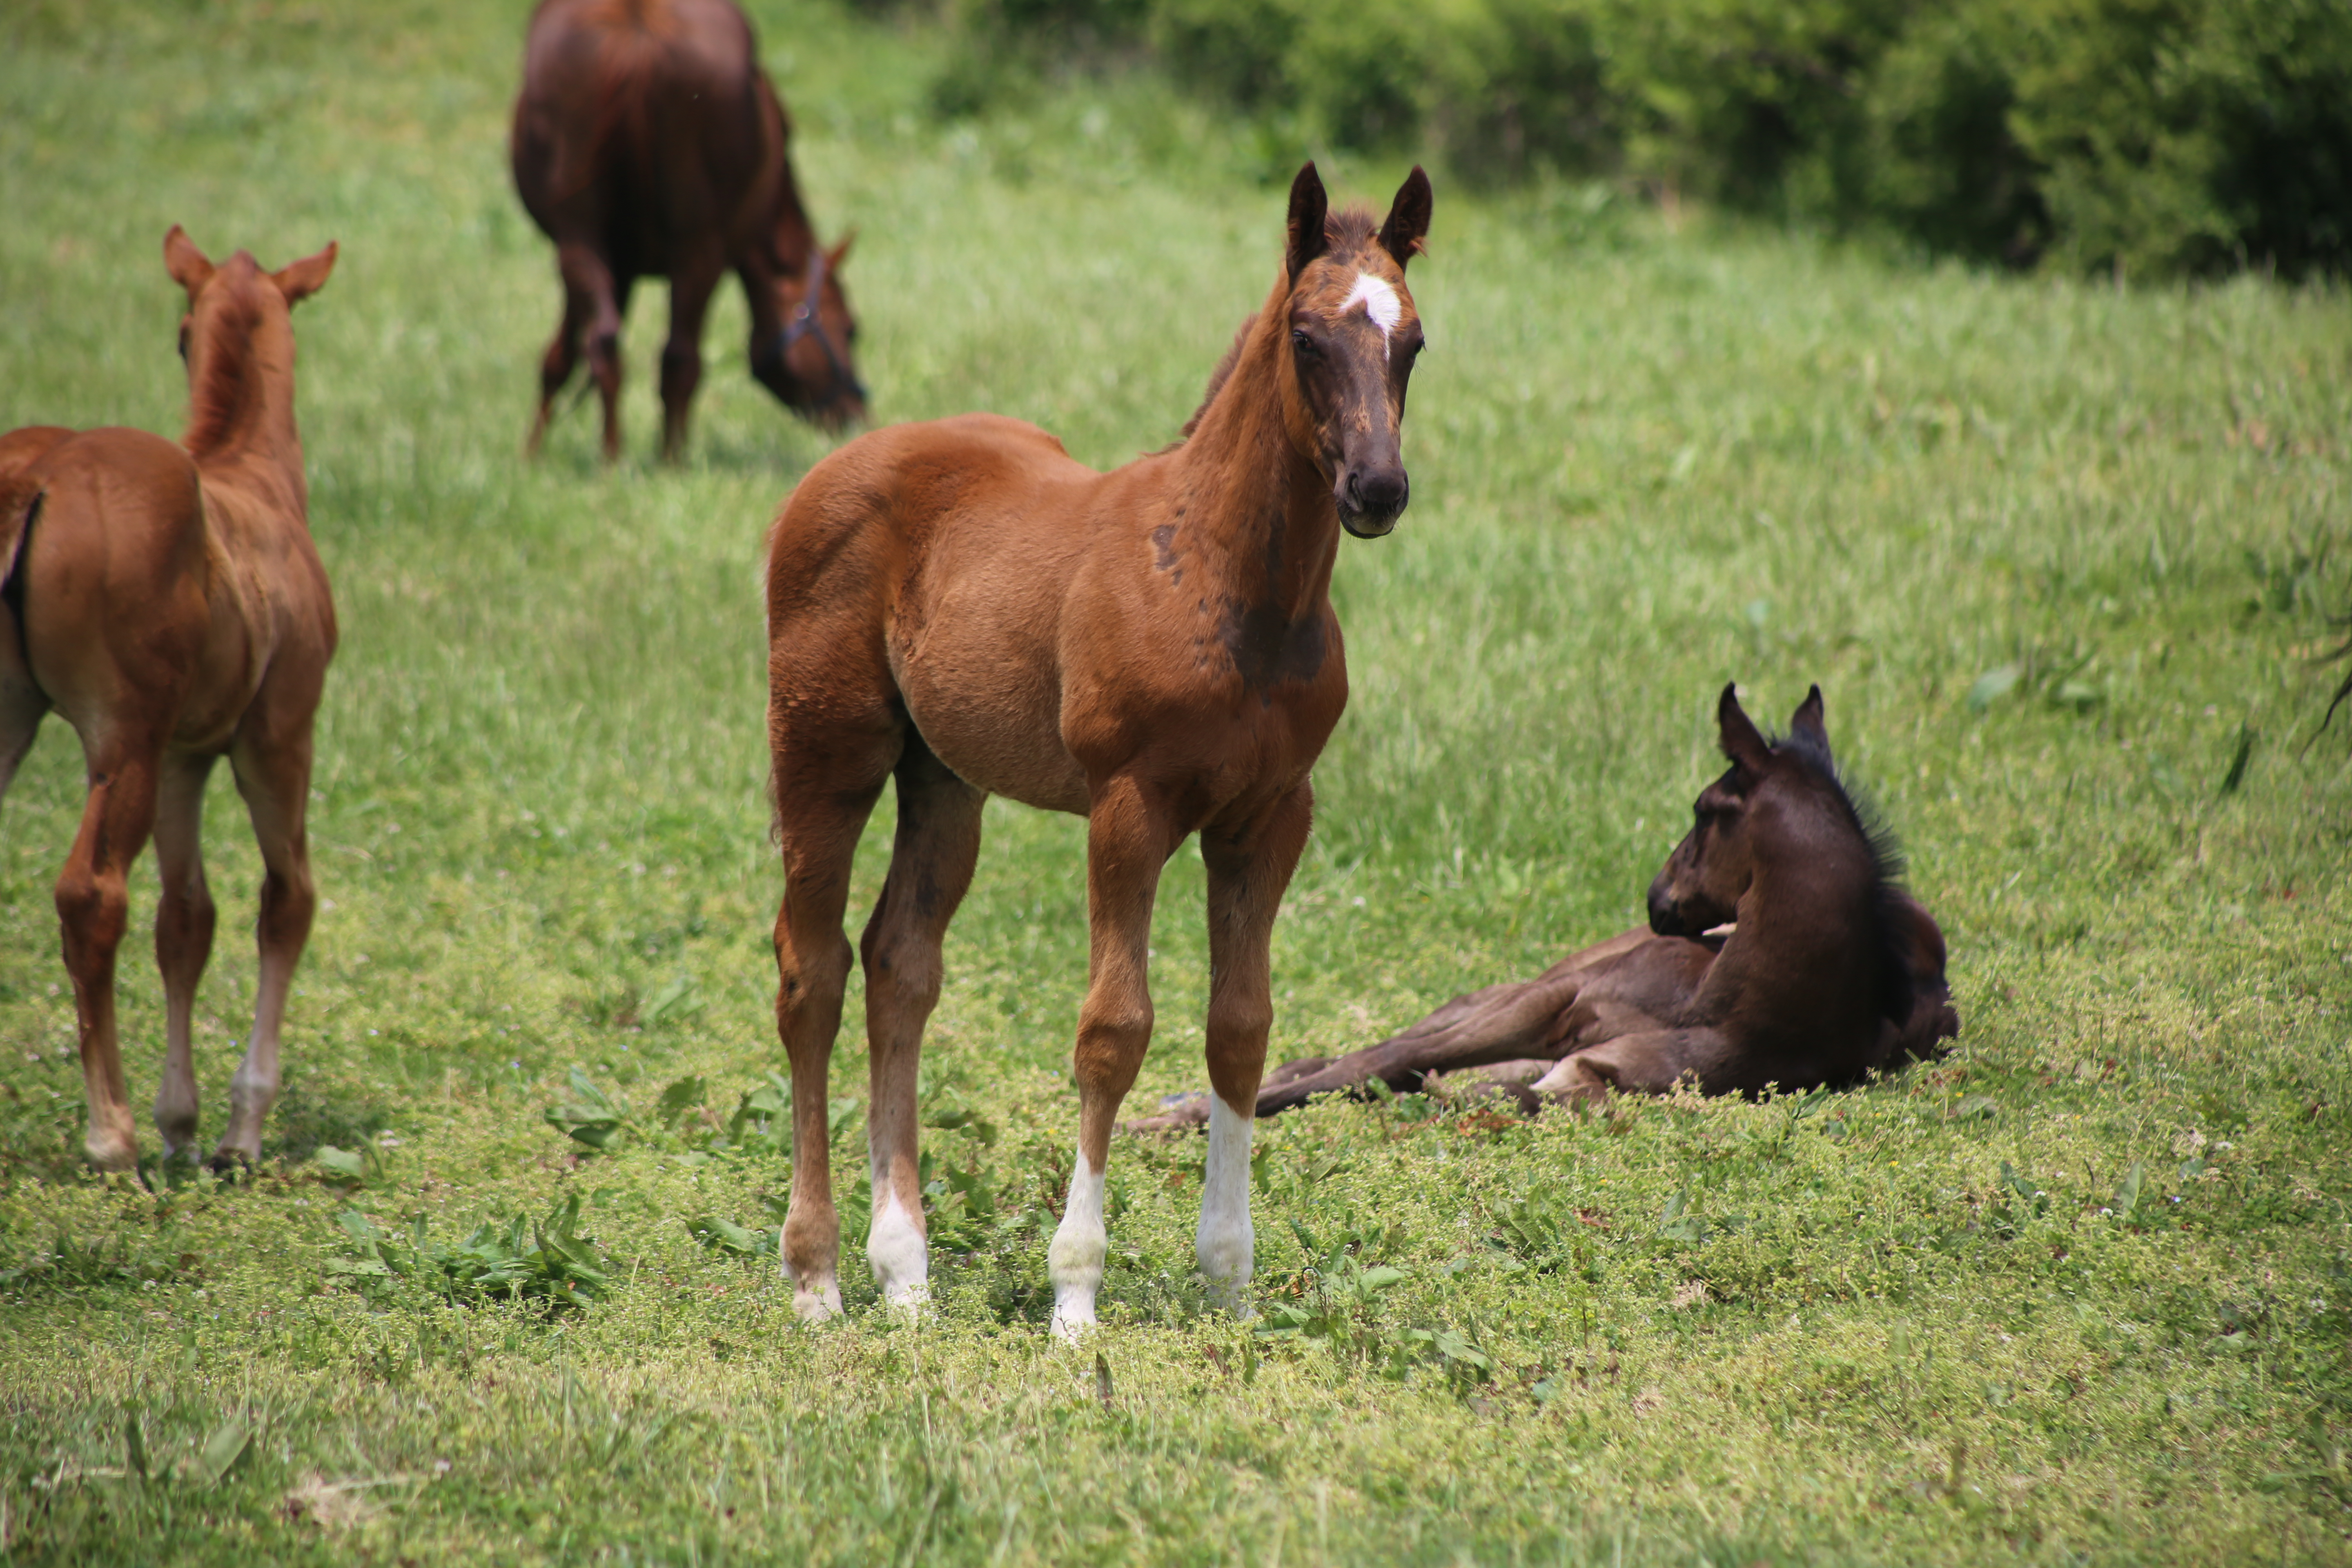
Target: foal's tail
(20,492)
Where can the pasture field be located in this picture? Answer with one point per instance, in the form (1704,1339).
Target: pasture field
(2062,556)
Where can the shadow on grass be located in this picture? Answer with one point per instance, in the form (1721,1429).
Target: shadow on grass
(301,1121)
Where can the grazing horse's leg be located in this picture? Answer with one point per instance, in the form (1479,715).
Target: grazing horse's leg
(272,762)
(690,284)
(930,867)
(603,300)
(1129,838)
(93,903)
(1248,871)
(561,358)
(183,940)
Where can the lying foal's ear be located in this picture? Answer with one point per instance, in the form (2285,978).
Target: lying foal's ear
(1408,220)
(1742,742)
(840,253)
(186,264)
(1308,207)
(1808,721)
(298,281)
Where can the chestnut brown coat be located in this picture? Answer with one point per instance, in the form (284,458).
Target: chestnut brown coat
(166,599)
(963,606)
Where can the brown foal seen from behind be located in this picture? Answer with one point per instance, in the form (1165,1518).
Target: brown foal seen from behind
(1780,950)
(166,599)
(648,143)
(963,607)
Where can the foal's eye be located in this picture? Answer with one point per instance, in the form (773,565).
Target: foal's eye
(1301,344)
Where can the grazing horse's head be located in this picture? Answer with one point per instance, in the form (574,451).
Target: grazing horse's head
(238,333)
(1787,794)
(1350,337)
(808,363)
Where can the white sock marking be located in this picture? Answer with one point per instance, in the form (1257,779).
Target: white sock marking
(1379,302)
(1227,1242)
(897,1253)
(1074,1261)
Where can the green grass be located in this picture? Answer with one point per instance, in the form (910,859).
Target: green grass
(1645,460)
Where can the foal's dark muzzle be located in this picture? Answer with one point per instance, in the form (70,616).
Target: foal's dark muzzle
(1371,500)
(1665,919)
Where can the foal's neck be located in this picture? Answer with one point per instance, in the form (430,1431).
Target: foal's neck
(241,417)
(1809,942)
(1258,510)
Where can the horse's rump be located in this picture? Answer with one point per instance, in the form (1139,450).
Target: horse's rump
(21,452)
(614,89)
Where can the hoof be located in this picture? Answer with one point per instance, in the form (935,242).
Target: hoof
(818,1306)
(1073,1316)
(114,1156)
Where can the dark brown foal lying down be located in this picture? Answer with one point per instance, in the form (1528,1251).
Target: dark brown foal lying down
(1780,951)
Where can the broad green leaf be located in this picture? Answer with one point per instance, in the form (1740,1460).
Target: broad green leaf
(225,1449)
(1993,685)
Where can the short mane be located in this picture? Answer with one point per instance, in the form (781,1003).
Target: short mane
(1898,984)
(219,403)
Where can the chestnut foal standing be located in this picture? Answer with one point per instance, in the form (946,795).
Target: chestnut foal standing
(166,599)
(963,606)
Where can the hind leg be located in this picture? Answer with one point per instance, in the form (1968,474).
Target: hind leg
(93,903)
(594,301)
(930,869)
(690,286)
(1651,1062)
(272,762)
(184,940)
(826,786)
(555,368)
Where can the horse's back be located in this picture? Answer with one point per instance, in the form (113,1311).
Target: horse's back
(921,476)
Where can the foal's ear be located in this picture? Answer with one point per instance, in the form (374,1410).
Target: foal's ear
(1741,741)
(1408,220)
(840,253)
(1808,722)
(186,264)
(1308,207)
(298,281)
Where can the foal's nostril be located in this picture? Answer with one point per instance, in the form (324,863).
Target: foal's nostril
(1382,494)
(1663,918)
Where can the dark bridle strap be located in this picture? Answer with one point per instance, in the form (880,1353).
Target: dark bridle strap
(807,322)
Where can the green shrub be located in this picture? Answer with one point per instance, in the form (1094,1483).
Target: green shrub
(2153,136)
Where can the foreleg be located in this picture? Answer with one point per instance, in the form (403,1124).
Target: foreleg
(1129,838)
(1249,870)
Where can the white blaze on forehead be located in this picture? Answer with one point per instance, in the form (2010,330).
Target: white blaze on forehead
(1379,302)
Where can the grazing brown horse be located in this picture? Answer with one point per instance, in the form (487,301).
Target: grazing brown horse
(960,606)
(648,143)
(1780,951)
(166,599)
